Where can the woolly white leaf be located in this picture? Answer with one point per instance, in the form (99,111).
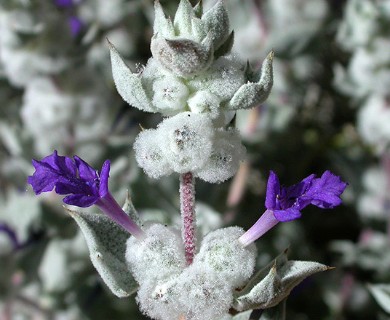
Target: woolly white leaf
(217,23)
(252,94)
(183,16)
(106,242)
(162,26)
(281,278)
(129,84)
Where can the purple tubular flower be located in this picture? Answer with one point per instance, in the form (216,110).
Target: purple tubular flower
(82,184)
(285,203)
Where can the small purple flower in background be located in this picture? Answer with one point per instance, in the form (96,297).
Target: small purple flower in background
(285,203)
(82,184)
(64,3)
(75,25)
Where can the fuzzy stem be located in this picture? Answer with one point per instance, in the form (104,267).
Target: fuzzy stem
(187,208)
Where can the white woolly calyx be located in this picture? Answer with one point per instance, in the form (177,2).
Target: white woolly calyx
(188,142)
(221,253)
(203,290)
(157,257)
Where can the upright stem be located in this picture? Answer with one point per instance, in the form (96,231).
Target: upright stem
(187,208)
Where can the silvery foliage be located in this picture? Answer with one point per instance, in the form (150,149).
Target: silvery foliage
(288,28)
(63,102)
(193,78)
(47,108)
(364,32)
(24,42)
(20,212)
(54,95)
(372,204)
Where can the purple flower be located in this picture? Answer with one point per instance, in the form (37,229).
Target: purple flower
(64,3)
(82,184)
(75,25)
(285,203)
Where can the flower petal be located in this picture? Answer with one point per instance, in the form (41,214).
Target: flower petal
(287,215)
(325,192)
(86,172)
(104,174)
(273,189)
(80,200)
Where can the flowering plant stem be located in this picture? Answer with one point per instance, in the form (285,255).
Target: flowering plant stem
(187,208)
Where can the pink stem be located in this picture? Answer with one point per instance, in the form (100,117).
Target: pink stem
(386,167)
(187,208)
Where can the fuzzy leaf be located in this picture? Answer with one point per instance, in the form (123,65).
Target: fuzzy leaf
(262,273)
(106,242)
(381,293)
(128,84)
(276,285)
(183,17)
(251,94)
(162,25)
(217,23)
(198,29)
